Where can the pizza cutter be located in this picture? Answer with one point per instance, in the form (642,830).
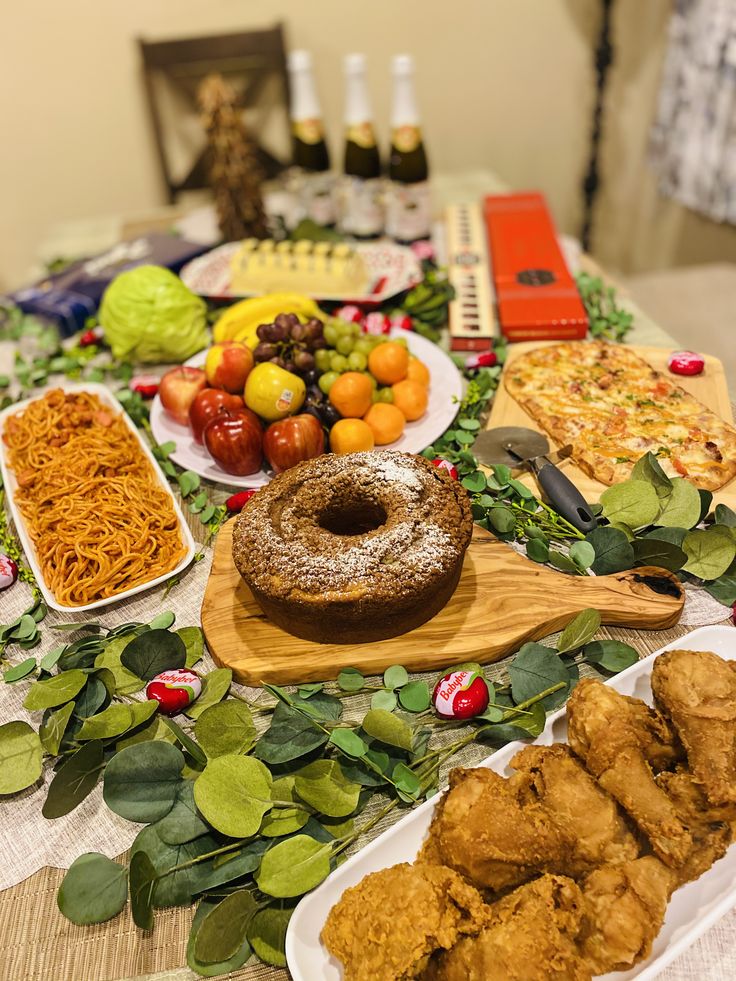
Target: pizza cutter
(517,446)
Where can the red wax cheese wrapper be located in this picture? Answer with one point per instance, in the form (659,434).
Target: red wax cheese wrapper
(174,690)
(686,363)
(460,695)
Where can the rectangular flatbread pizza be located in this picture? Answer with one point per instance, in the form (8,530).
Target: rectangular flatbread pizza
(612,407)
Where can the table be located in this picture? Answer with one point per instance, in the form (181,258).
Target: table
(38,943)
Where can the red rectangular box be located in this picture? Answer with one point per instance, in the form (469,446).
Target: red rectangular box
(536,296)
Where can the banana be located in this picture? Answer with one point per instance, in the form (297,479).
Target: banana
(240,321)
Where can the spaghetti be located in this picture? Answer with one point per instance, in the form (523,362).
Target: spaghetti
(100,521)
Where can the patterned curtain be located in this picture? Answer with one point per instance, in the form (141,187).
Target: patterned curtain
(693,139)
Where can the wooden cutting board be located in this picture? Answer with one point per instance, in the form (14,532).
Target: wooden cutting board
(502,600)
(710,388)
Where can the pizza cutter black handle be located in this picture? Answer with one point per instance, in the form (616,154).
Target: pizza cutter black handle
(565,497)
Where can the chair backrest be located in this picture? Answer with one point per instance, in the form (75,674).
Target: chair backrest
(254,62)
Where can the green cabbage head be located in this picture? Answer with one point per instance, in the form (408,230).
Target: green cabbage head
(149,315)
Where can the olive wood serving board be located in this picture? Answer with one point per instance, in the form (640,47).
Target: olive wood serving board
(502,600)
(710,388)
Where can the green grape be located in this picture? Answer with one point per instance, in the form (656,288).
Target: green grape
(327,380)
(343,329)
(355,330)
(338,362)
(330,334)
(364,345)
(357,361)
(385,395)
(322,359)
(344,344)
(400,340)
(371,379)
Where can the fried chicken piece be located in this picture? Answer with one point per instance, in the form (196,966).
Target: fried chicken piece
(624,907)
(697,689)
(712,826)
(578,806)
(388,925)
(620,740)
(484,829)
(531,937)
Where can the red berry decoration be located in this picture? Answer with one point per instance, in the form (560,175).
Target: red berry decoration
(460,695)
(350,313)
(174,690)
(487,359)
(89,337)
(686,363)
(445,465)
(237,502)
(403,321)
(8,572)
(376,323)
(145,385)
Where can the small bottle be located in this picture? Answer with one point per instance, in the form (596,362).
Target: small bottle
(309,149)
(361,213)
(408,213)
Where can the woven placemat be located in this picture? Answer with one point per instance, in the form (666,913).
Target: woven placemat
(38,943)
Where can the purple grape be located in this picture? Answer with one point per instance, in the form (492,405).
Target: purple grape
(303,360)
(279,361)
(314,328)
(286,321)
(265,351)
(299,332)
(290,366)
(317,343)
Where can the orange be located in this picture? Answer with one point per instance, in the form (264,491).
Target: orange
(352,394)
(388,362)
(418,371)
(351,436)
(411,398)
(386,421)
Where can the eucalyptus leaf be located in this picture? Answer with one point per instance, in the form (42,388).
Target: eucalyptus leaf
(55,691)
(233,793)
(709,553)
(224,929)
(289,736)
(175,886)
(675,536)
(156,729)
(579,631)
(293,867)
(537,550)
(502,519)
(522,726)
(117,719)
(651,551)
(324,786)
(387,728)
(143,878)
(612,655)
(233,963)
(561,561)
(93,890)
(152,652)
(630,536)
(142,781)
(395,677)
(725,516)
(74,780)
(350,679)
(635,502)
(613,552)
(682,508)
(193,640)
(232,865)
(21,757)
(215,685)
(162,621)
(20,671)
(648,468)
(283,821)
(267,934)
(415,697)
(197,756)
(91,698)
(126,683)
(349,741)
(48,661)
(406,780)
(386,700)
(52,730)
(534,669)
(723,589)
(582,554)
(225,728)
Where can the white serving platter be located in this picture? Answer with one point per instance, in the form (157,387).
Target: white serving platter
(692,909)
(11,484)
(391,269)
(446,386)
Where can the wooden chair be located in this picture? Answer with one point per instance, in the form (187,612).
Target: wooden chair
(251,61)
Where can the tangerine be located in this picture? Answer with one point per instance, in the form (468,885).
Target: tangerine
(351,436)
(388,362)
(386,421)
(411,398)
(351,394)
(417,371)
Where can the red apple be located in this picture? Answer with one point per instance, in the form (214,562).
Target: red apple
(234,440)
(206,405)
(227,365)
(291,440)
(178,389)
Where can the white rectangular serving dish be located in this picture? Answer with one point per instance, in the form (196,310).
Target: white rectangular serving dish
(692,909)
(11,484)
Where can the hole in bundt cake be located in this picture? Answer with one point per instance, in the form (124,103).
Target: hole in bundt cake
(353,518)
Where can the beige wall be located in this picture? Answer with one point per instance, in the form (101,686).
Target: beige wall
(504,84)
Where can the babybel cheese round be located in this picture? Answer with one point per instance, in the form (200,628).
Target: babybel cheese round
(460,695)
(174,690)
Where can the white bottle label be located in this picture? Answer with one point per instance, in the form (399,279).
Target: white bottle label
(408,211)
(361,206)
(318,200)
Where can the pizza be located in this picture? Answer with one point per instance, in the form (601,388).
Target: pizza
(612,407)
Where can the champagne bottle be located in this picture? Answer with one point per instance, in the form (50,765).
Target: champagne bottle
(309,149)
(361,205)
(408,215)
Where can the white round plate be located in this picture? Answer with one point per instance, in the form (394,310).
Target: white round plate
(446,386)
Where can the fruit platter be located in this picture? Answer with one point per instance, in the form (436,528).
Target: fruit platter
(267,395)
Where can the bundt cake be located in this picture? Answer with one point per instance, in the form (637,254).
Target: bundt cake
(354,548)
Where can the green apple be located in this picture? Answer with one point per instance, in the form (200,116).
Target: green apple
(274,393)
